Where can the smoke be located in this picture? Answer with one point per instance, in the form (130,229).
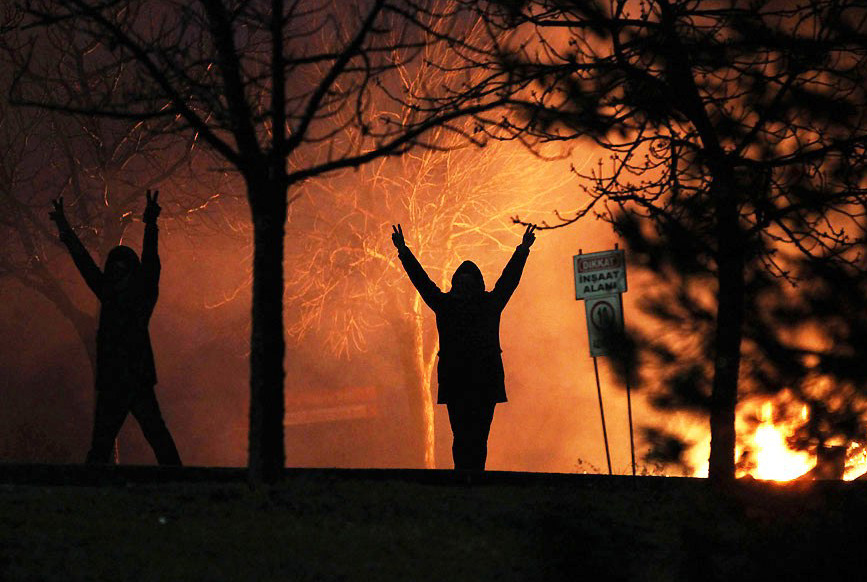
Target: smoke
(41,367)
(552,421)
(347,407)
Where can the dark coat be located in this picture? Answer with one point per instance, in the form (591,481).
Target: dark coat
(470,363)
(124,356)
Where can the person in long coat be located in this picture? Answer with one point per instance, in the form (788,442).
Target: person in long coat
(127,290)
(470,366)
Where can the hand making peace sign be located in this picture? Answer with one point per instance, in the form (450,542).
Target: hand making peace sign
(397,237)
(152,210)
(57,215)
(529,236)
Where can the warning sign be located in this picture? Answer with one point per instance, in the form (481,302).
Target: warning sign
(598,274)
(604,323)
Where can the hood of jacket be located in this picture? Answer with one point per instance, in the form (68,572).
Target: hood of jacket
(467,279)
(121,254)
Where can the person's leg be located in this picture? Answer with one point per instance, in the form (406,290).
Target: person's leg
(483,416)
(146,411)
(460,434)
(112,406)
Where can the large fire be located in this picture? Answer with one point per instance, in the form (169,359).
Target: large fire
(774,460)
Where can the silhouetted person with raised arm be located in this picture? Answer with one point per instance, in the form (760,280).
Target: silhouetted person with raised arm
(127,290)
(470,367)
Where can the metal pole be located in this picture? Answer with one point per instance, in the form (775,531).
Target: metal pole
(602,414)
(629,408)
(629,402)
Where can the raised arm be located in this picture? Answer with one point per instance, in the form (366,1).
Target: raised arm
(150,258)
(508,281)
(82,259)
(428,290)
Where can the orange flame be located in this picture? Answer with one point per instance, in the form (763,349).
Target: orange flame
(775,461)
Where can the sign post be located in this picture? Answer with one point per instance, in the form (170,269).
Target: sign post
(600,281)
(602,415)
(628,402)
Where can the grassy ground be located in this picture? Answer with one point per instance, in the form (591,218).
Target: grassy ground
(70,523)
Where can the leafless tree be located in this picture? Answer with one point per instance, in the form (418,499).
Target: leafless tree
(345,278)
(283,92)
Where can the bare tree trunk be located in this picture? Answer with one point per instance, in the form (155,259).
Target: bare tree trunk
(423,367)
(728,335)
(403,326)
(427,387)
(267,344)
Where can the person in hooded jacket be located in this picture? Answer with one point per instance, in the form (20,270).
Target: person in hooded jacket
(470,367)
(127,290)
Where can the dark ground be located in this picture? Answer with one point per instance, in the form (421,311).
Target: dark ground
(146,523)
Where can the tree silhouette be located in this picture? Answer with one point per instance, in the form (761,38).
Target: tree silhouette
(823,328)
(736,136)
(283,92)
